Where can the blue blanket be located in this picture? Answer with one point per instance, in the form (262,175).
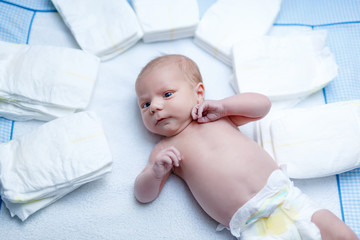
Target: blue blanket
(342,21)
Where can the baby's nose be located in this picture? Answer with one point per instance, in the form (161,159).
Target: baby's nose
(156,105)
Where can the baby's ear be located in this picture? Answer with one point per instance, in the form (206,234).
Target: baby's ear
(200,91)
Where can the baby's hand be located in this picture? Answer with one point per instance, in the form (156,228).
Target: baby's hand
(208,111)
(165,160)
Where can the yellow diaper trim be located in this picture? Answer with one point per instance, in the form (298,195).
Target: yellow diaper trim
(280,220)
(8,99)
(265,142)
(112,40)
(225,36)
(23,200)
(81,76)
(278,223)
(280,196)
(290,144)
(87,137)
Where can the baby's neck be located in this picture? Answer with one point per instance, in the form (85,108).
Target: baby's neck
(183,130)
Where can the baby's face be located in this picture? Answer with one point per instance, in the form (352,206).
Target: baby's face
(166,98)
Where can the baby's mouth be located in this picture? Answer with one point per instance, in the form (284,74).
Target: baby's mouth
(159,121)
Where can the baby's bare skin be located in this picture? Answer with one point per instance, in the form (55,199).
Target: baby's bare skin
(202,144)
(222,167)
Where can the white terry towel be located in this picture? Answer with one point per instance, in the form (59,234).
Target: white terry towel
(318,141)
(167,19)
(44,82)
(284,67)
(105,28)
(53,160)
(228,21)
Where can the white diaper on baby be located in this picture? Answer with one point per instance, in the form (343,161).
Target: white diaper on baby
(279,211)
(318,141)
(44,82)
(167,19)
(105,28)
(284,67)
(54,159)
(228,21)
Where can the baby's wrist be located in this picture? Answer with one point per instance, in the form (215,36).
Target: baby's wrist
(157,174)
(223,109)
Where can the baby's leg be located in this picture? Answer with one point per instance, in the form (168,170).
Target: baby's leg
(331,227)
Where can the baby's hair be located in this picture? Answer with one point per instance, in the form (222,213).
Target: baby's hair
(188,66)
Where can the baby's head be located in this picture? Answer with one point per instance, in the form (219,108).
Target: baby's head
(185,64)
(167,88)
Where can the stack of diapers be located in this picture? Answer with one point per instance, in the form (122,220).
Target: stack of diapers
(167,19)
(51,161)
(229,21)
(44,82)
(314,142)
(105,28)
(284,67)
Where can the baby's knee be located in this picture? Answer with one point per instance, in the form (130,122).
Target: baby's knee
(331,227)
(344,234)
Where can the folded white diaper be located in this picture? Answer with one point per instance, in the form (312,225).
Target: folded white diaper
(105,28)
(24,210)
(51,161)
(315,142)
(284,67)
(228,21)
(44,82)
(167,19)
(20,111)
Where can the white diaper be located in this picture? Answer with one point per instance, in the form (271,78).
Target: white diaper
(167,19)
(284,67)
(278,211)
(105,28)
(228,21)
(44,82)
(24,210)
(38,168)
(316,141)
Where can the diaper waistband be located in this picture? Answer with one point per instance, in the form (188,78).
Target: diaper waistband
(263,203)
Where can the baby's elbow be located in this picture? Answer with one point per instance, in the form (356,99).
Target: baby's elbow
(142,198)
(267,105)
(264,105)
(143,194)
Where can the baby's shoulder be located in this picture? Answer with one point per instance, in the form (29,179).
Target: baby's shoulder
(163,143)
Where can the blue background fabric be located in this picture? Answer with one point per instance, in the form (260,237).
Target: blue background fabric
(340,18)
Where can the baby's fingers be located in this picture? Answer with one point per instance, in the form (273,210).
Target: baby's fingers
(194,112)
(170,156)
(175,157)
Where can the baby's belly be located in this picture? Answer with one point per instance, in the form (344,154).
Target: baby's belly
(223,168)
(221,191)
(219,200)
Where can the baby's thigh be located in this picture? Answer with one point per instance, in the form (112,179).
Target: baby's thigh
(331,227)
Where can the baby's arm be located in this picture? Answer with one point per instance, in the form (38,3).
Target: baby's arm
(241,108)
(150,181)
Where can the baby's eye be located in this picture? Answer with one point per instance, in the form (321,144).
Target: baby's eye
(145,105)
(168,94)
